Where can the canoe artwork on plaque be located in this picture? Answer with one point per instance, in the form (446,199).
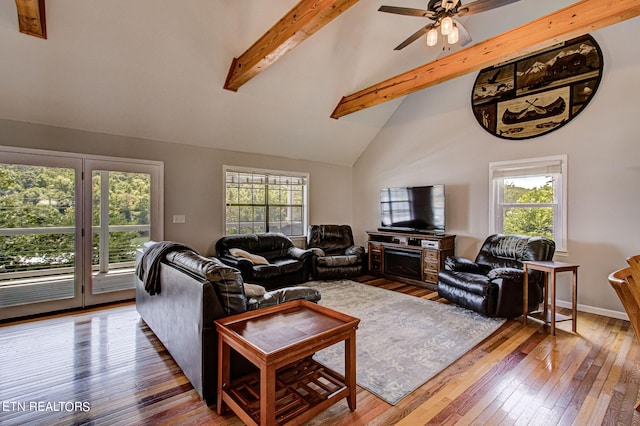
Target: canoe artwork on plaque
(536,94)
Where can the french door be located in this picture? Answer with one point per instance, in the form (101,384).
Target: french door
(69,228)
(121,211)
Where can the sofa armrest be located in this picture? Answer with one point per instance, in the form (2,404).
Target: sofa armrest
(354,250)
(462,264)
(512,274)
(298,253)
(243,264)
(318,252)
(283,295)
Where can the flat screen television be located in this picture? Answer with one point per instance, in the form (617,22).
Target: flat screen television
(413,209)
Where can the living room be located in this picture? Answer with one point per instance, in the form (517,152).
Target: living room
(429,137)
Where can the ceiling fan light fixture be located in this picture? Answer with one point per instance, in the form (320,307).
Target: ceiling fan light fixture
(446,25)
(453,36)
(444,14)
(432,37)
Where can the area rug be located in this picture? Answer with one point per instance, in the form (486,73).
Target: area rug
(402,341)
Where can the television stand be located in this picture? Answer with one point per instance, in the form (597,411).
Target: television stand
(410,257)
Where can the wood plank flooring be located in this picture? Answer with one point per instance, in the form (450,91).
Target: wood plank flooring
(104,366)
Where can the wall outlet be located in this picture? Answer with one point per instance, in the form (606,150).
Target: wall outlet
(179,218)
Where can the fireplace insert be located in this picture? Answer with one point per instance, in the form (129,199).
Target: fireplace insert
(404,263)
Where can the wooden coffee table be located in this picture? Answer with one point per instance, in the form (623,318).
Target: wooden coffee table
(290,387)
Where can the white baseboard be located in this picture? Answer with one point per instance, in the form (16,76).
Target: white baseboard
(594,310)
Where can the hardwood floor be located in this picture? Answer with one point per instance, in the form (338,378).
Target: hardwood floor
(104,366)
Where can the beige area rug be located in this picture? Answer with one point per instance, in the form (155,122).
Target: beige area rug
(402,340)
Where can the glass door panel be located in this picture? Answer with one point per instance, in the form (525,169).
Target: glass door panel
(38,237)
(121,223)
(125,207)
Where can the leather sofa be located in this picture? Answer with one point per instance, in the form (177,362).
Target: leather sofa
(192,292)
(335,254)
(279,262)
(493,284)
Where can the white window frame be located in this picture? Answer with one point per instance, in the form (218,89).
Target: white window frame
(269,172)
(554,165)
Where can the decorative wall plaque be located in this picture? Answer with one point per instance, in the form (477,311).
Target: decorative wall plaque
(31,17)
(536,94)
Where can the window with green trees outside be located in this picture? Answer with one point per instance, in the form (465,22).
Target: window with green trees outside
(265,201)
(528,198)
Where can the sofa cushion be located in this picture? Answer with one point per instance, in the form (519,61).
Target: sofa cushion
(289,266)
(331,232)
(283,295)
(256,259)
(277,268)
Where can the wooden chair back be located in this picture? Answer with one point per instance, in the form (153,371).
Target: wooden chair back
(625,286)
(634,264)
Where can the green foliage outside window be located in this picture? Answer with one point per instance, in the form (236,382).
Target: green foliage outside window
(129,204)
(532,221)
(33,197)
(44,197)
(264,203)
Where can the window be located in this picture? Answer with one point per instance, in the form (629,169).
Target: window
(265,201)
(528,197)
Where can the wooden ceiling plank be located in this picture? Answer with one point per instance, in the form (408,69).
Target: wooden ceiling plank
(303,20)
(573,21)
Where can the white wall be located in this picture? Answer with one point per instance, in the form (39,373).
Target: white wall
(434,138)
(193,176)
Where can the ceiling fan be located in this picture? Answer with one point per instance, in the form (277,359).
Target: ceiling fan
(443,14)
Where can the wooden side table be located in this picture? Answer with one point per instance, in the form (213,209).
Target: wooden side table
(290,387)
(550,269)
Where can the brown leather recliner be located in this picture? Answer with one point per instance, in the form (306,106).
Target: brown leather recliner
(335,254)
(492,285)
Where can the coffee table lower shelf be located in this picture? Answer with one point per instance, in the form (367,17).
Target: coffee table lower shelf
(303,389)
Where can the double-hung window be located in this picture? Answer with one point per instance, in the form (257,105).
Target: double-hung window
(265,201)
(528,197)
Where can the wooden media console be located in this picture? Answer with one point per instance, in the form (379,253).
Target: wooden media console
(409,257)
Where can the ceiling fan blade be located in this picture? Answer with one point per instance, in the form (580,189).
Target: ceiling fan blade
(407,11)
(464,37)
(422,31)
(482,6)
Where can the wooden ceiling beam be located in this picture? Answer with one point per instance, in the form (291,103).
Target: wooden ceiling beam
(306,17)
(573,21)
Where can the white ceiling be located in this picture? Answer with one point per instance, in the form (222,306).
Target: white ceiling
(155,69)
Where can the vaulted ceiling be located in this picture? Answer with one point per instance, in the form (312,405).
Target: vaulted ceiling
(156,69)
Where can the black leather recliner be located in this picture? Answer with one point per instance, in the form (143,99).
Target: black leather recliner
(335,254)
(286,263)
(492,285)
